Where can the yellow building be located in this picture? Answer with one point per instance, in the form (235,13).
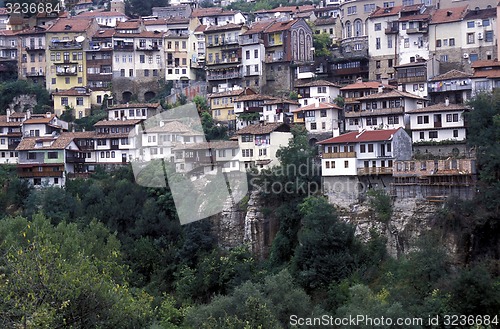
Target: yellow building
(222,105)
(77,98)
(66,64)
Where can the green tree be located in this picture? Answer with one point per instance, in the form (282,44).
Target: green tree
(60,276)
(327,249)
(10,90)
(322,43)
(136,8)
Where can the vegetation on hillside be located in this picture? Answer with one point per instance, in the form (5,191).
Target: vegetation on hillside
(106,252)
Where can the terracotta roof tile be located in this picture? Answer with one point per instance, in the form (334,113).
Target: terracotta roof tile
(58,143)
(280,26)
(74,24)
(259,27)
(364,136)
(448,15)
(262,129)
(281,101)
(107,33)
(230,26)
(382,12)
(39,119)
(490,74)
(254,97)
(128,25)
(325,21)
(481,13)
(174,127)
(284,9)
(100,13)
(453,74)
(143,34)
(200,28)
(440,107)
(236,92)
(158,21)
(73,92)
(4,123)
(485,63)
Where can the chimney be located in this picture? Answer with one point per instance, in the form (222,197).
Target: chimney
(380,89)
(28,114)
(447,101)
(384,80)
(8,115)
(48,114)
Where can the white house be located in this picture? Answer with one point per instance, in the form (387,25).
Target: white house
(439,122)
(315,92)
(207,157)
(258,144)
(279,110)
(321,118)
(369,152)
(141,111)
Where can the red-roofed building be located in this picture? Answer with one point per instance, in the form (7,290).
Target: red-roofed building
(31,59)
(320,118)
(364,157)
(99,61)
(105,18)
(218,16)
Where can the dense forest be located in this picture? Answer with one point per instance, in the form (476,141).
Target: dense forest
(107,253)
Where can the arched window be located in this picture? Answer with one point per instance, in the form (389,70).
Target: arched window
(358,28)
(348,29)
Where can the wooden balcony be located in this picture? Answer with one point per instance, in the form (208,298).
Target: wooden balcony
(45,173)
(338,155)
(374,171)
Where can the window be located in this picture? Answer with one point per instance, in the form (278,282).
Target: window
(327,164)
(473,57)
(388,147)
(455,133)
(246,138)
(346,164)
(486,22)
(313,125)
(389,42)
(377,64)
(131,72)
(351,10)
(422,135)
(438,43)
(470,38)
(247,153)
(377,43)
(146,73)
(488,36)
(52,155)
(67,80)
(256,53)
(142,59)
(321,90)
(368,8)
(247,54)
(31,155)
(370,148)
(323,113)
(362,148)
(470,24)
(262,152)
(451,42)
(433,134)
(407,42)
(443,58)
(64,101)
(390,62)
(358,28)
(122,72)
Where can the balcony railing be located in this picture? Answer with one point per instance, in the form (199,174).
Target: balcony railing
(148,48)
(338,155)
(423,29)
(233,75)
(35,48)
(391,30)
(246,41)
(272,59)
(374,171)
(65,45)
(35,74)
(45,173)
(124,47)
(73,159)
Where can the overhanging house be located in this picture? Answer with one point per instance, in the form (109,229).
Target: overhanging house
(356,161)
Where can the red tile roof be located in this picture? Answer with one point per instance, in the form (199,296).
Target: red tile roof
(101,13)
(382,12)
(4,123)
(453,74)
(290,9)
(58,143)
(128,25)
(200,28)
(440,107)
(364,136)
(318,83)
(204,12)
(143,34)
(390,94)
(280,26)
(74,24)
(264,128)
(448,15)
(259,27)
(229,26)
(107,33)
(73,92)
(485,63)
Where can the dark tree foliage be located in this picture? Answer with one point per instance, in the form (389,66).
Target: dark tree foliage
(484,134)
(327,250)
(10,90)
(136,8)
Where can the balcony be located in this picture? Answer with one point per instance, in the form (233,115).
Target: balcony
(35,74)
(148,48)
(225,61)
(66,45)
(73,159)
(423,29)
(272,59)
(124,47)
(66,70)
(374,171)
(338,155)
(35,48)
(391,30)
(233,75)
(44,173)
(246,41)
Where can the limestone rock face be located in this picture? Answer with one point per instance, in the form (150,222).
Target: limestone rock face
(229,225)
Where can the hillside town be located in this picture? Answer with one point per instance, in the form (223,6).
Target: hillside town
(383,98)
